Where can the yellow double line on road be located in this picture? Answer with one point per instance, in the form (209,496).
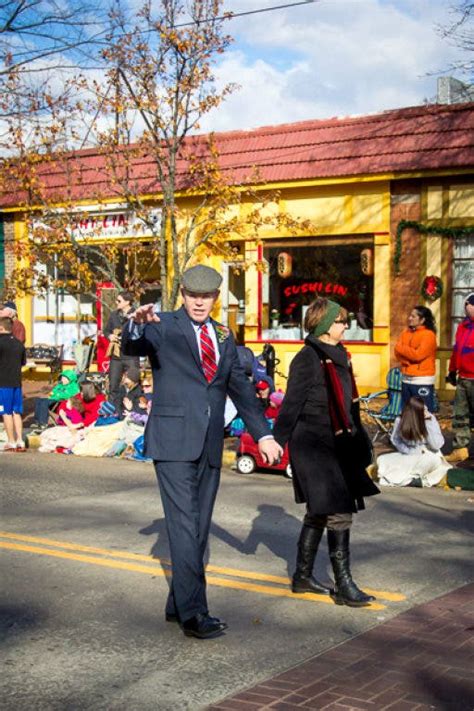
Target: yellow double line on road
(122,560)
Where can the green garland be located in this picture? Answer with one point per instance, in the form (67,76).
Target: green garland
(424,230)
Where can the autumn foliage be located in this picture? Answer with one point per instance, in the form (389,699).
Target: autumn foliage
(130,139)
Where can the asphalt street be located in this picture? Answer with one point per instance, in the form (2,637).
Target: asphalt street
(84,579)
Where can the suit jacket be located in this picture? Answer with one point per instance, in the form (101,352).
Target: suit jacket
(185,407)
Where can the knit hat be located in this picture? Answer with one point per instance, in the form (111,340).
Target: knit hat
(328,319)
(10,305)
(277,397)
(469,299)
(262,385)
(107,409)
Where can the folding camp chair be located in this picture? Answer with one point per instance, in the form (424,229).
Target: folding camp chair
(385,416)
(83,354)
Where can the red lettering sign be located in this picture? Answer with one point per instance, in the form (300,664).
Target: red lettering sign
(313,286)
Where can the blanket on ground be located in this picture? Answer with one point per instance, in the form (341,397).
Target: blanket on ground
(59,436)
(104,441)
(425,468)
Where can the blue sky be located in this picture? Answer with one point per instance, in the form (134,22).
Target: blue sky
(318,60)
(332,58)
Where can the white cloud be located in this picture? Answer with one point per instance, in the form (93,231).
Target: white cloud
(335,57)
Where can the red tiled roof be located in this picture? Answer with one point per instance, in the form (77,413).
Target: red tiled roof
(422,138)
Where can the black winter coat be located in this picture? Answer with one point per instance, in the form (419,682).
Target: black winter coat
(328,472)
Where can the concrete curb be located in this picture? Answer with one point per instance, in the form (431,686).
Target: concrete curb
(33,441)
(228,458)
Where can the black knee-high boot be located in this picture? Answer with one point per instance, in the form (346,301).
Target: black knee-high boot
(303,580)
(345,591)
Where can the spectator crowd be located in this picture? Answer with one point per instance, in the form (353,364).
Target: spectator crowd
(85,414)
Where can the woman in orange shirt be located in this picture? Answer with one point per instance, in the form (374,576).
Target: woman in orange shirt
(416,352)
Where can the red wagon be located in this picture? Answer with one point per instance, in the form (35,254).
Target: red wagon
(249,458)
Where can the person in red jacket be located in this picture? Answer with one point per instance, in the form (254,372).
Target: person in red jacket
(461,374)
(91,402)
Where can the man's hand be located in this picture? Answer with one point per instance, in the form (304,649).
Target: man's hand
(144,314)
(270,450)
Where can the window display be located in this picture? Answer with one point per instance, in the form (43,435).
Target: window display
(463,277)
(297,274)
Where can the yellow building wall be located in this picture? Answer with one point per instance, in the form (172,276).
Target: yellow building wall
(344,209)
(24,303)
(357,208)
(369,361)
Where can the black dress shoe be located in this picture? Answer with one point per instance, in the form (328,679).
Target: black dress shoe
(171,617)
(203,626)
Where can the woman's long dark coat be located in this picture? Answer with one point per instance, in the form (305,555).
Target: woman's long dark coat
(328,471)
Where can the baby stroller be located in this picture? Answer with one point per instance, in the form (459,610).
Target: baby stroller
(385,417)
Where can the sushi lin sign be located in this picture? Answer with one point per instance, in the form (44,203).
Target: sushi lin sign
(108,224)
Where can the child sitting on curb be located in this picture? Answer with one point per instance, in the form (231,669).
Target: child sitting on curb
(418,439)
(69,430)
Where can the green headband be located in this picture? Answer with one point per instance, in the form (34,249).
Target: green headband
(325,324)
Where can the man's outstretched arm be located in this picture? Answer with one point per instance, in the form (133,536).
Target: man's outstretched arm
(134,342)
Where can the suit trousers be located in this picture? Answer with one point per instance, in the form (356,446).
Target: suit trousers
(188,492)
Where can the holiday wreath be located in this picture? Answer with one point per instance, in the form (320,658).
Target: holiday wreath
(432,288)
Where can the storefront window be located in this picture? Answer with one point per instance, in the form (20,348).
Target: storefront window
(63,317)
(335,268)
(463,277)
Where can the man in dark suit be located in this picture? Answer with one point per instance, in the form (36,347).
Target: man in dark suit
(195,366)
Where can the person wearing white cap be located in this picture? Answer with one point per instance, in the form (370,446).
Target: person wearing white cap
(8,310)
(195,366)
(461,374)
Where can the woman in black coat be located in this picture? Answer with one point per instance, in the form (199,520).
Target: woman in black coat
(329,450)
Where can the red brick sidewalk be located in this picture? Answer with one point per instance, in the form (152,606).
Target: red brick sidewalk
(422,659)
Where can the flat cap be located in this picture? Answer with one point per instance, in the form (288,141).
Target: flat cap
(201,279)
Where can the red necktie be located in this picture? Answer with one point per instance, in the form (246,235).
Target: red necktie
(208,354)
